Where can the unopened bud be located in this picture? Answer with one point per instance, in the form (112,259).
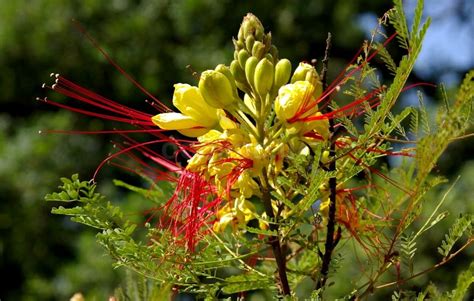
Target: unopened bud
(242,57)
(237,71)
(305,72)
(250,65)
(273,51)
(251,26)
(249,42)
(264,73)
(239,75)
(238,44)
(240,35)
(216,89)
(258,49)
(282,72)
(325,157)
(226,71)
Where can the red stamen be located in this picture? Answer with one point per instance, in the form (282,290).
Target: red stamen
(163,162)
(99,115)
(191,206)
(162,106)
(340,80)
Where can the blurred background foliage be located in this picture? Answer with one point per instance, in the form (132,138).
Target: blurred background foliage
(45,257)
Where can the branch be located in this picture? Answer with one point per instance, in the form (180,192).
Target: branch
(371,284)
(331,241)
(274,241)
(439,264)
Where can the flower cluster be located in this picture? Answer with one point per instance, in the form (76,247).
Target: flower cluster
(247,118)
(245,121)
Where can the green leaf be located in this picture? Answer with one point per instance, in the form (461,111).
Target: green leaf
(245,282)
(461,226)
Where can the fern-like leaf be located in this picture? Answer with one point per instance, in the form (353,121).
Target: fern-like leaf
(461,226)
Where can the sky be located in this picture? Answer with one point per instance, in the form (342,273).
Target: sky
(448,47)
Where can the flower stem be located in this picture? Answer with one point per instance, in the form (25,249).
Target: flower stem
(274,241)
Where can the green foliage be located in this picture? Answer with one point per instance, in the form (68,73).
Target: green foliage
(95,212)
(462,226)
(431,292)
(136,287)
(239,283)
(408,248)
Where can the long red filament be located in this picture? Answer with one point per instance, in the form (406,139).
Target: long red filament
(113,63)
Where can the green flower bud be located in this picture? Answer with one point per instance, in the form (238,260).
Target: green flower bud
(243,55)
(263,77)
(267,40)
(238,44)
(269,57)
(216,89)
(274,52)
(239,75)
(237,71)
(282,72)
(305,72)
(226,71)
(251,26)
(249,42)
(240,35)
(258,49)
(250,65)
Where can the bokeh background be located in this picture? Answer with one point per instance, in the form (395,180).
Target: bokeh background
(45,257)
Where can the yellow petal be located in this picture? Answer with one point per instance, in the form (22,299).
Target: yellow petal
(174,121)
(194,132)
(250,103)
(223,222)
(225,122)
(189,101)
(291,97)
(210,136)
(247,209)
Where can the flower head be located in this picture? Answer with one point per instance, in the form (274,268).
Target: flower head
(196,117)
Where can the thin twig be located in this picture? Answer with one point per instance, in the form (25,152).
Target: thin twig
(439,264)
(331,241)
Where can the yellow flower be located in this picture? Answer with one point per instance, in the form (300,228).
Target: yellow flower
(237,215)
(189,101)
(247,185)
(225,218)
(306,72)
(218,88)
(196,117)
(245,210)
(257,154)
(291,98)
